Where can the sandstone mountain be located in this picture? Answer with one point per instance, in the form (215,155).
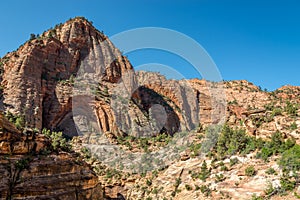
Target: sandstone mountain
(73,79)
(39,77)
(36,78)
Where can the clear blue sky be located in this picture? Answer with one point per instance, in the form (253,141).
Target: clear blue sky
(251,39)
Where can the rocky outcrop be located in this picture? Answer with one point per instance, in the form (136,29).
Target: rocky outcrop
(30,171)
(37,78)
(73,79)
(178,182)
(262,113)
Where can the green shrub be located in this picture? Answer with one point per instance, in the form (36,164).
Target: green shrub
(291,109)
(269,106)
(270,190)
(259,143)
(32,36)
(275,146)
(148,182)
(250,171)
(205,172)
(155,191)
(255,197)
(289,143)
(290,159)
(233,161)
(270,171)
(86,152)
(205,190)
(287,184)
(155,173)
(276,112)
(188,187)
(18,121)
(57,140)
(276,139)
(234,102)
(265,153)
(220,178)
(112,173)
(251,145)
(195,149)
(293,126)
(22,164)
(231,141)
(162,138)
(144,144)
(224,168)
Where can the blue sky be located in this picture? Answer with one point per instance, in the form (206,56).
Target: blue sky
(254,40)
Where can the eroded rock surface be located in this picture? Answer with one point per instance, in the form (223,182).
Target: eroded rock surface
(27,173)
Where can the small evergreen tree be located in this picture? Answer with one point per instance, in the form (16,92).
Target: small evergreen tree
(32,36)
(204,172)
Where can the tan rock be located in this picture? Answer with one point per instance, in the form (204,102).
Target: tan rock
(27,175)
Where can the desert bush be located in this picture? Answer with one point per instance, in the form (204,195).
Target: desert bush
(255,197)
(188,187)
(32,36)
(195,149)
(57,140)
(224,168)
(275,146)
(22,163)
(177,182)
(149,182)
(205,190)
(250,171)
(293,126)
(291,109)
(286,184)
(270,190)
(204,172)
(86,152)
(231,141)
(276,112)
(220,178)
(20,122)
(270,171)
(290,159)
(269,106)
(233,161)
(17,120)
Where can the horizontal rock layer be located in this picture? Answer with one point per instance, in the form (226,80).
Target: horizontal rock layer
(28,173)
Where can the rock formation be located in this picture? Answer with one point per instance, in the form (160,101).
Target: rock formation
(27,173)
(37,78)
(73,79)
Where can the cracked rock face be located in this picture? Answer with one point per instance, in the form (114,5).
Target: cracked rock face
(73,78)
(39,78)
(28,174)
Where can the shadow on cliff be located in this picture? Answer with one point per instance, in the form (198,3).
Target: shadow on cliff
(56,115)
(146,99)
